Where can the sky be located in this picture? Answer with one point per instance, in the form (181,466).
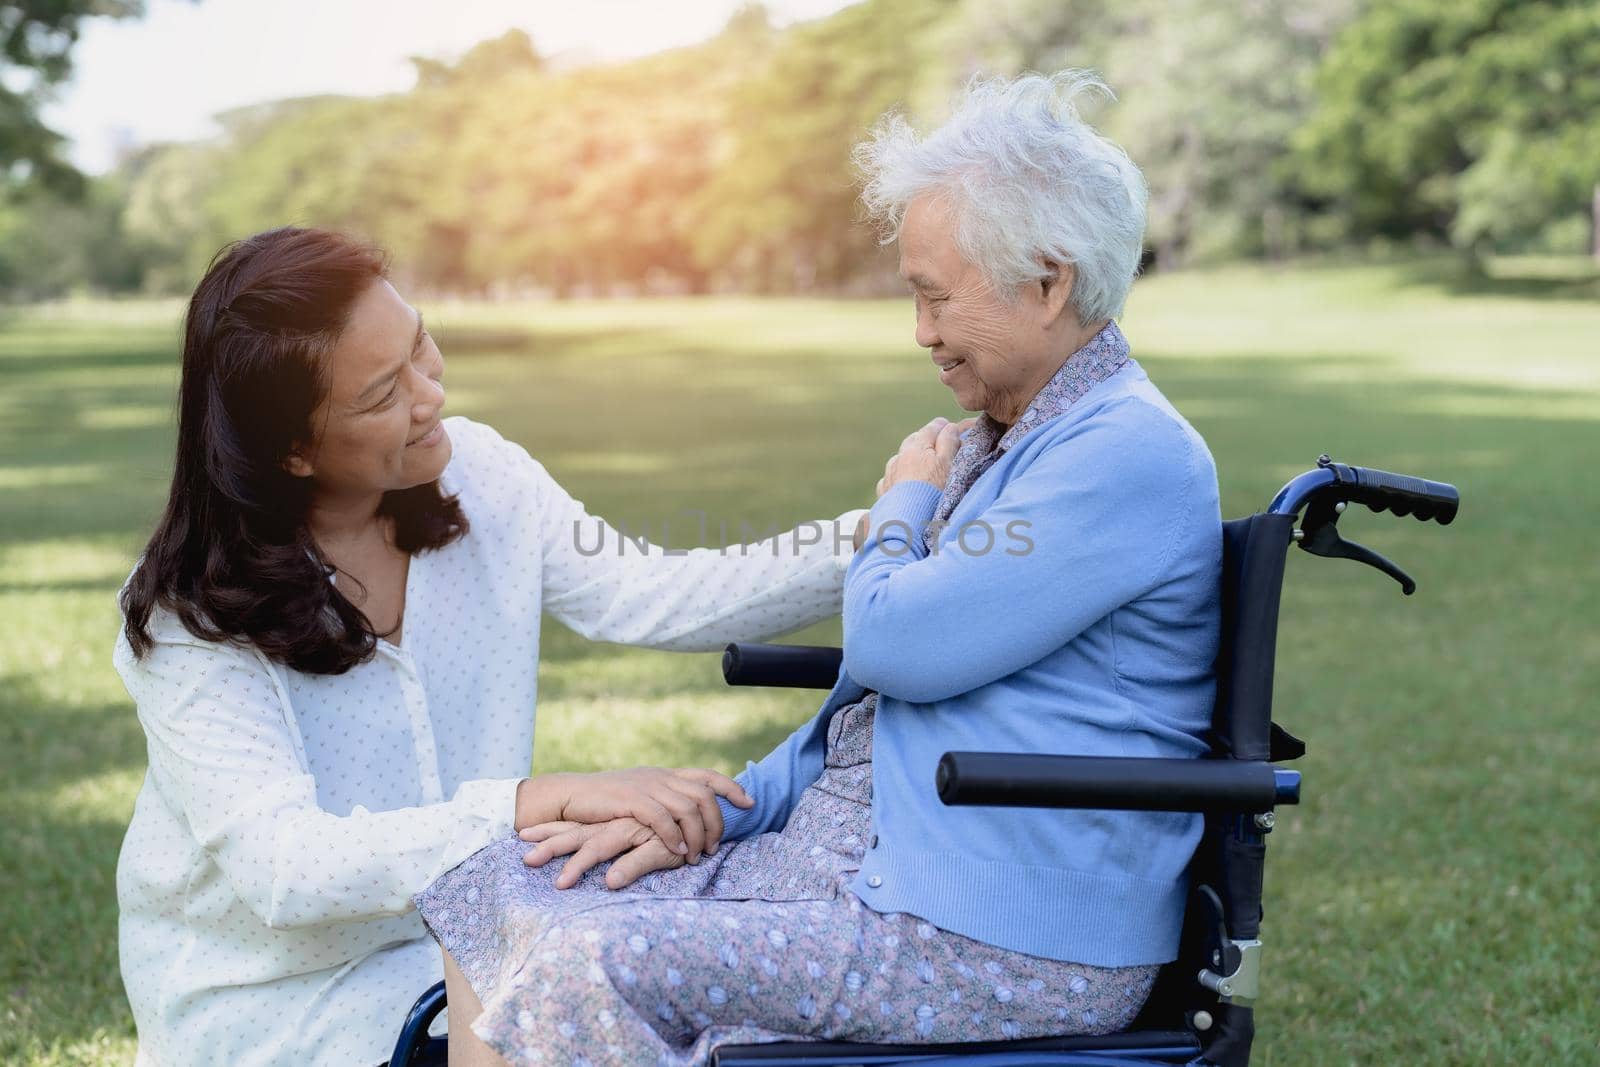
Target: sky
(162,77)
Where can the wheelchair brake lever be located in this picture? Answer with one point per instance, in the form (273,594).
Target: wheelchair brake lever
(1322,539)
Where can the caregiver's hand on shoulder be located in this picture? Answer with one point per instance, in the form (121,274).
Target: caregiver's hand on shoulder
(591,844)
(678,805)
(925,455)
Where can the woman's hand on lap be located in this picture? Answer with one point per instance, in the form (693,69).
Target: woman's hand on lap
(678,805)
(591,844)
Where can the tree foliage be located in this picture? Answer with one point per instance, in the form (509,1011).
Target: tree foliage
(1264,127)
(1472,121)
(1208,96)
(56,233)
(36,39)
(781,206)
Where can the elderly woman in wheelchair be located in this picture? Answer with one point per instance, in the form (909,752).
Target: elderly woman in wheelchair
(1045,577)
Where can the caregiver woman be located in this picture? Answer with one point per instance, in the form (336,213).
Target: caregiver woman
(332,639)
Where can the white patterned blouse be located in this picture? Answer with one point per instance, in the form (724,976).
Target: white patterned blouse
(286,820)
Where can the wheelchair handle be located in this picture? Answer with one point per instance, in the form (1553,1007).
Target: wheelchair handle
(1114,783)
(1379,490)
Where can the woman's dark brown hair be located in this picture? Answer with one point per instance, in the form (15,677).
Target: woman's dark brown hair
(232,556)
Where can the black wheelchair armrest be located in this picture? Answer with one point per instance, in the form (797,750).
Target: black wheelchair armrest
(789,666)
(1026,780)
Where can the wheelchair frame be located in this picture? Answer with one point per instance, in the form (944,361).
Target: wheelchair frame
(1201,1010)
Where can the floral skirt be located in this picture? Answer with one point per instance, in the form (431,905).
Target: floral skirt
(759,942)
(631,979)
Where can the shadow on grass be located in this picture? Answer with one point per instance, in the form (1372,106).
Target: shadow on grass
(64,742)
(84,460)
(124,507)
(63,825)
(92,359)
(458,341)
(756,453)
(1461,277)
(73,585)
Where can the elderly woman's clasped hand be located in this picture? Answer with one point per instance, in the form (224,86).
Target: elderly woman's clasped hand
(925,455)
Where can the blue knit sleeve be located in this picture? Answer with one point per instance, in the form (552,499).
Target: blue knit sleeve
(1081,528)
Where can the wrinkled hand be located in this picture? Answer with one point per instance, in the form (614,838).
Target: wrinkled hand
(925,455)
(591,844)
(678,805)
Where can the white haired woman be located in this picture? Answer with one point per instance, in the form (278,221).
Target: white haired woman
(1049,582)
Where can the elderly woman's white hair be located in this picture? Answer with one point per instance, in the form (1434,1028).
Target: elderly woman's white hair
(1028,181)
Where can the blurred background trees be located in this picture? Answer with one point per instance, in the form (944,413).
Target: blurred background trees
(50,220)
(1472,123)
(36,40)
(1266,128)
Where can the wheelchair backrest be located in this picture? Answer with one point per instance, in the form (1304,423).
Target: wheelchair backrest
(1254,551)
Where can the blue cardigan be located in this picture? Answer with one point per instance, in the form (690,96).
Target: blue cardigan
(1099,639)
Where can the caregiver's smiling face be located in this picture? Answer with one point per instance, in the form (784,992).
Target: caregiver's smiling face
(378,428)
(990,352)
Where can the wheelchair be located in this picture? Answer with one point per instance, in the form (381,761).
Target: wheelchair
(1201,1010)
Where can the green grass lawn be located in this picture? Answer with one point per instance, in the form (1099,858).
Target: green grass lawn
(1433,900)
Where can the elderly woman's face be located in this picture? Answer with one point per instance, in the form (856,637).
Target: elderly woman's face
(993,355)
(378,428)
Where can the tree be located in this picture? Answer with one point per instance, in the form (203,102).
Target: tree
(52,245)
(591,176)
(1470,122)
(1208,95)
(509,53)
(58,229)
(781,212)
(164,193)
(36,42)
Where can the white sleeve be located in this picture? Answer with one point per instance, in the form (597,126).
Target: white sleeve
(225,755)
(610,586)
